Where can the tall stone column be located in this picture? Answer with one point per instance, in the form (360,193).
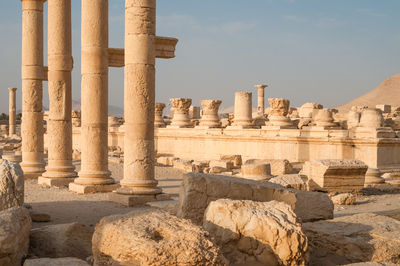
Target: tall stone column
(32,91)
(12,112)
(94,175)
(261,100)
(139,98)
(243,110)
(59,170)
(210,118)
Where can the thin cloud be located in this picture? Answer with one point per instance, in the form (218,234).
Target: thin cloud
(369,12)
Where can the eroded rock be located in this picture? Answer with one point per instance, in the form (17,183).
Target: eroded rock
(11,185)
(344,199)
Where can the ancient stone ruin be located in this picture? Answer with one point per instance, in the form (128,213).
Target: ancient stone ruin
(191,185)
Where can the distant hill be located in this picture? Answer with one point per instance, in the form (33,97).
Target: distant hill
(112,110)
(386,93)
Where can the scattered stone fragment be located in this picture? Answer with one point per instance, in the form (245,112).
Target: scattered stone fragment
(344,199)
(11,185)
(354,238)
(259,171)
(61,240)
(38,217)
(236,159)
(295,181)
(15,225)
(152,237)
(221,163)
(185,165)
(56,262)
(261,232)
(278,167)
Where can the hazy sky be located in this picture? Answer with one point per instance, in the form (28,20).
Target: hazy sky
(325,51)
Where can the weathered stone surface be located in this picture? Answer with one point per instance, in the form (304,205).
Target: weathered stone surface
(198,190)
(251,232)
(56,262)
(236,159)
(61,240)
(278,167)
(372,264)
(152,237)
(344,199)
(295,181)
(184,165)
(356,238)
(166,160)
(39,217)
(15,225)
(11,185)
(221,163)
(256,171)
(335,175)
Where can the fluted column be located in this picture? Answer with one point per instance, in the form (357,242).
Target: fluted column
(158,119)
(210,118)
(139,98)
(12,112)
(94,175)
(59,170)
(32,92)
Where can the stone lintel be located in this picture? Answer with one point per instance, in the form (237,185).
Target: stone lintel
(90,189)
(136,200)
(165,48)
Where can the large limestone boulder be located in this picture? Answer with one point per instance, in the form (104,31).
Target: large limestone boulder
(344,199)
(356,238)
(335,175)
(252,232)
(11,185)
(295,181)
(61,240)
(15,225)
(198,190)
(152,237)
(56,262)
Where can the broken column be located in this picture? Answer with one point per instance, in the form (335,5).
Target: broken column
(243,110)
(94,175)
(210,118)
(139,184)
(181,117)
(324,118)
(261,100)
(279,111)
(158,119)
(12,112)
(59,171)
(32,91)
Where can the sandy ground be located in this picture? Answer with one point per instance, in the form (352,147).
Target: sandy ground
(66,207)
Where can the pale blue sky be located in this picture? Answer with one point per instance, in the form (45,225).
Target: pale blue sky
(326,51)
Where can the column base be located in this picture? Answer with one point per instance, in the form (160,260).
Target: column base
(90,189)
(136,200)
(233,127)
(55,182)
(32,171)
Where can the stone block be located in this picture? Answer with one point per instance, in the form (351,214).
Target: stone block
(295,181)
(184,165)
(335,175)
(54,182)
(89,189)
(197,190)
(385,108)
(257,171)
(220,163)
(236,159)
(278,167)
(131,200)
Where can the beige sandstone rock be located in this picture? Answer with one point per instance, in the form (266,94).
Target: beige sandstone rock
(15,225)
(11,185)
(323,118)
(221,163)
(278,167)
(355,238)
(353,118)
(185,165)
(373,177)
(152,237)
(259,171)
(335,175)
(198,190)
(344,199)
(56,262)
(167,160)
(216,170)
(236,159)
(371,117)
(307,110)
(61,240)
(251,232)
(295,181)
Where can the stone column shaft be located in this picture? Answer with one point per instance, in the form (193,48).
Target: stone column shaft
(94,94)
(12,112)
(261,99)
(139,98)
(59,126)
(243,109)
(32,91)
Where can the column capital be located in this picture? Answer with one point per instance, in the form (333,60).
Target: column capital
(181,104)
(12,89)
(261,86)
(210,105)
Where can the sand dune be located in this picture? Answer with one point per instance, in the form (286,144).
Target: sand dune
(386,93)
